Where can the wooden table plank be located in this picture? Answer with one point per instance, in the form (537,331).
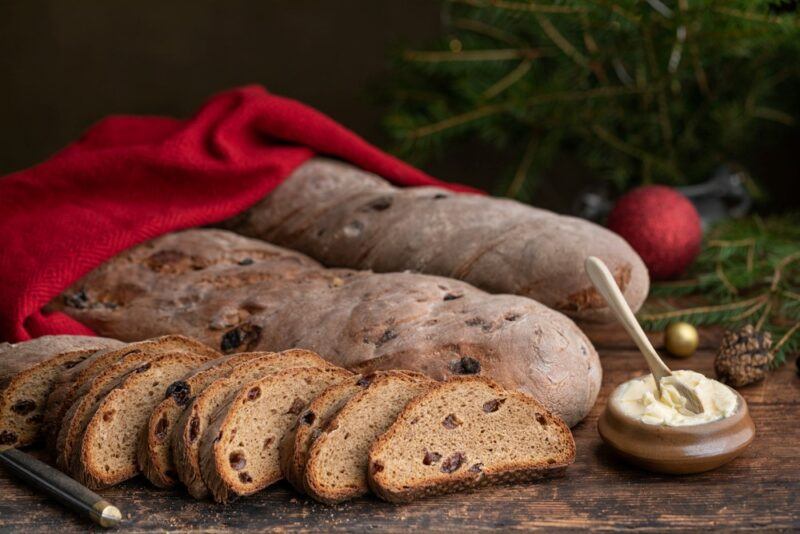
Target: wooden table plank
(759,489)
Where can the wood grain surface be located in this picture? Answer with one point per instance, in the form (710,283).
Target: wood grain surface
(756,491)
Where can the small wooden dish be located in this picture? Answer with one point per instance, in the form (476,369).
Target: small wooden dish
(677,450)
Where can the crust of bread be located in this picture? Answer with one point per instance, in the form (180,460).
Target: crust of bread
(464,479)
(344,216)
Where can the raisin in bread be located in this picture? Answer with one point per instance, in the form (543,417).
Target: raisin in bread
(239,450)
(310,423)
(185,439)
(105,453)
(70,382)
(88,394)
(153,451)
(465,433)
(336,469)
(28,372)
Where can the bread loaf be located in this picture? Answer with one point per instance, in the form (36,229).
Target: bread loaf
(242,294)
(345,217)
(28,372)
(465,433)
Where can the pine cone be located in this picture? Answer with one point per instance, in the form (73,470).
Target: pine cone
(744,356)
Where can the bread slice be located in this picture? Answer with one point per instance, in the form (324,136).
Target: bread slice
(336,469)
(66,385)
(153,450)
(105,453)
(464,433)
(28,371)
(88,394)
(69,383)
(239,449)
(185,438)
(310,423)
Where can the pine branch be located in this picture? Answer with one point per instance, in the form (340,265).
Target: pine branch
(488,30)
(529,7)
(508,54)
(699,79)
(730,312)
(522,170)
(663,111)
(457,120)
(774,115)
(508,80)
(750,270)
(756,17)
(786,337)
(561,42)
(720,272)
(622,146)
(491,109)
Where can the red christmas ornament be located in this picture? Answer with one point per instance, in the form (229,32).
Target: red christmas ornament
(661,225)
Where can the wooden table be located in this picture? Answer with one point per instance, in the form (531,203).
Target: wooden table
(759,489)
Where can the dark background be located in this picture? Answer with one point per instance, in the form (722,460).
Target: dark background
(64,64)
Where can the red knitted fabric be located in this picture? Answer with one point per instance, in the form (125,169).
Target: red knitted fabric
(130,179)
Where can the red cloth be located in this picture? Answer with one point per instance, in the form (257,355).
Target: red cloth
(130,179)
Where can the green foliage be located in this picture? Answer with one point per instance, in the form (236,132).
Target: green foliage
(641,91)
(748,272)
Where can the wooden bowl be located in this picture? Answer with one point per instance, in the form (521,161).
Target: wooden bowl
(677,450)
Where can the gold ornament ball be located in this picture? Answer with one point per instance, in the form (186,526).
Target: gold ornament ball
(681,339)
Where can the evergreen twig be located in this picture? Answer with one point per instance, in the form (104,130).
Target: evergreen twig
(508,80)
(473,55)
(530,7)
(688,85)
(492,109)
(524,167)
(749,272)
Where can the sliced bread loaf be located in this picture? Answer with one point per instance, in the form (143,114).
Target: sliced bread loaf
(70,382)
(310,423)
(336,469)
(88,394)
(464,433)
(239,450)
(28,372)
(191,425)
(153,451)
(105,453)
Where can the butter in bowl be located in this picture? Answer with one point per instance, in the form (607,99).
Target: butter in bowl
(656,431)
